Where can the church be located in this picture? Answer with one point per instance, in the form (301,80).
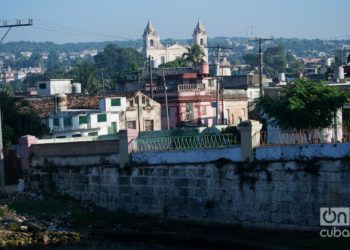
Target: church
(163,54)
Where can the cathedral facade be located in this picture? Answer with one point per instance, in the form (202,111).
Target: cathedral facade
(163,54)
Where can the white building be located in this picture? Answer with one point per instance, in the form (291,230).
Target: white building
(137,111)
(163,54)
(54,87)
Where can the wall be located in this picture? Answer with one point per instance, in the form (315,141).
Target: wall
(277,195)
(74,153)
(302,152)
(187,156)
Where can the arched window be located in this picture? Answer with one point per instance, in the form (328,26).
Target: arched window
(201,42)
(151,43)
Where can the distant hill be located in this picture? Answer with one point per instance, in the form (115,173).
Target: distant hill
(299,47)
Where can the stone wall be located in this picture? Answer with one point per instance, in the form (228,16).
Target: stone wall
(275,194)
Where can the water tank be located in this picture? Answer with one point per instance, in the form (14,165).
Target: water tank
(76,88)
(281,77)
(61,102)
(340,73)
(154,63)
(204,68)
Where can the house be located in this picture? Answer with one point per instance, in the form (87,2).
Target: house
(192,101)
(113,113)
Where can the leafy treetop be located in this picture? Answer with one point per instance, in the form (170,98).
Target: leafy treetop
(304,105)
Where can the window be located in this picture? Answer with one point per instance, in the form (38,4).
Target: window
(56,122)
(93,134)
(131,103)
(211,83)
(115,102)
(42,85)
(67,121)
(162,60)
(201,42)
(143,100)
(76,135)
(149,125)
(83,119)
(151,43)
(132,124)
(101,118)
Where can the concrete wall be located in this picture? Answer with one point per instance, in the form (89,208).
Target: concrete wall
(187,156)
(302,152)
(279,195)
(75,153)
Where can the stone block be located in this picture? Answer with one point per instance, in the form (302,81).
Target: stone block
(181,182)
(140,180)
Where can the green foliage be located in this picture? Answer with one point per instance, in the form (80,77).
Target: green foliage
(275,59)
(194,55)
(304,105)
(85,73)
(18,119)
(251,59)
(177,63)
(114,60)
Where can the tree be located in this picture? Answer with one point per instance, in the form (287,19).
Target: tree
(85,73)
(194,55)
(177,63)
(251,59)
(18,119)
(114,59)
(304,105)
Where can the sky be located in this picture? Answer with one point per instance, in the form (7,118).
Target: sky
(63,21)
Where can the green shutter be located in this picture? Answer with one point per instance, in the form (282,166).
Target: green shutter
(101,117)
(83,119)
(115,102)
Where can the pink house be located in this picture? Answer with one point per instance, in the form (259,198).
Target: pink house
(192,101)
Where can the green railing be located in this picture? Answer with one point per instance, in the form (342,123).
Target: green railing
(183,142)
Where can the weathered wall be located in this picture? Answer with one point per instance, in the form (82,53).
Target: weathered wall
(278,195)
(306,151)
(75,153)
(187,156)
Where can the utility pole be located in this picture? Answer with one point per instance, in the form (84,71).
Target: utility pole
(9,26)
(166,102)
(103,83)
(2,166)
(150,75)
(261,62)
(217,74)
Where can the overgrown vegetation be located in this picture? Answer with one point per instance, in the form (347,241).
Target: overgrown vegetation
(18,119)
(304,105)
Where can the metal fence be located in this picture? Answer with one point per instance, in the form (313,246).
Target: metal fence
(182,142)
(295,137)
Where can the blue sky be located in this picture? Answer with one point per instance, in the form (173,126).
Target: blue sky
(99,20)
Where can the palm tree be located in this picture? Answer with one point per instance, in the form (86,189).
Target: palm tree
(85,74)
(194,56)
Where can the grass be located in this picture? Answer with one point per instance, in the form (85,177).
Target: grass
(209,234)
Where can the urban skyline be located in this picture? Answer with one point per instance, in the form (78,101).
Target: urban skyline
(108,20)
